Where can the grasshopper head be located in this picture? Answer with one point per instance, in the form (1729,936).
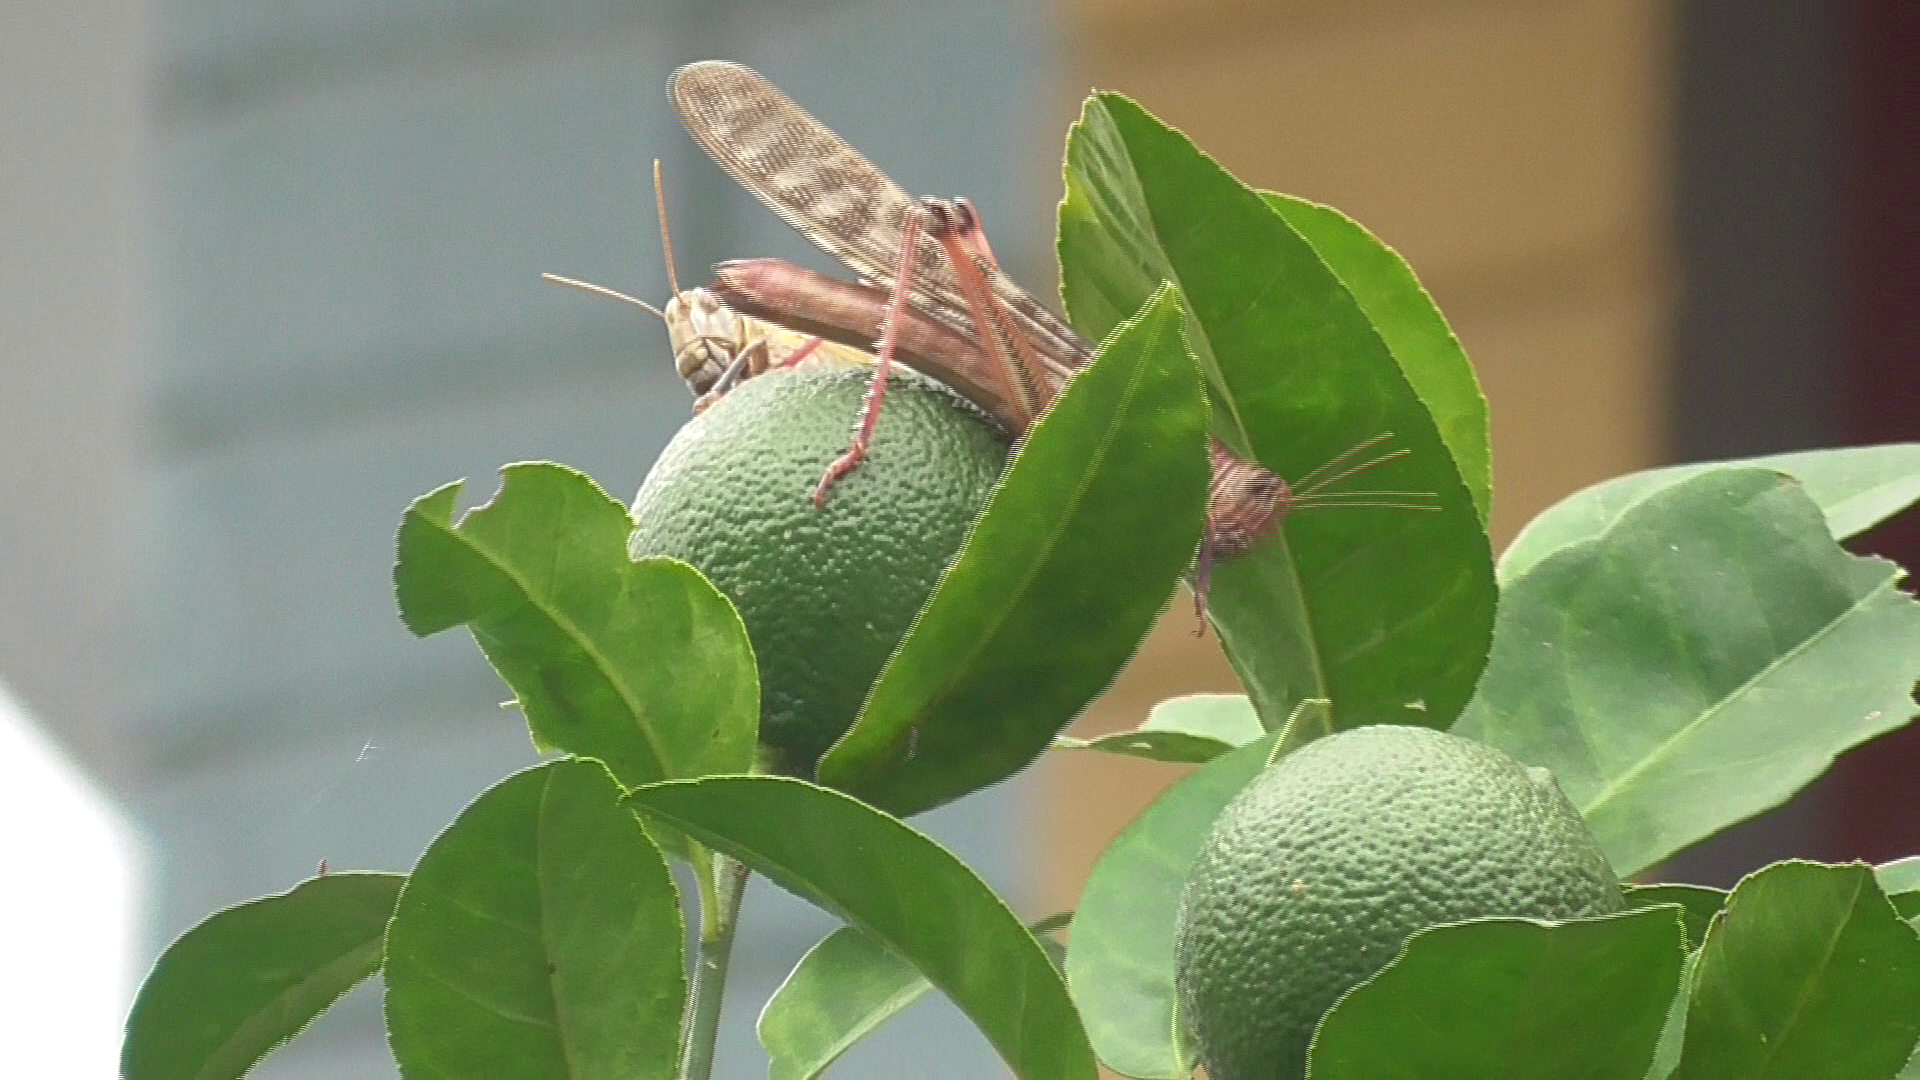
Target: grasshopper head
(706,335)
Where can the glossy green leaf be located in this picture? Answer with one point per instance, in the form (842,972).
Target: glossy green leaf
(539,938)
(1808,973)
(1410,323)
(902,890)
(1666,1052)
(840,992)
(1901,882)
(1698,905)
(596,647)
(1384,610)
(1120,958)
(235,987)
(1702,659)
(1513,998)
(1065,571)
(1192,730)
(1856,488)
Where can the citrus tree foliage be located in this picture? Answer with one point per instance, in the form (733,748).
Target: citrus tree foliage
(1681,648)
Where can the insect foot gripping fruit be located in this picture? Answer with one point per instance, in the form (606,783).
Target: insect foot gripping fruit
(826,592)
(1318,872)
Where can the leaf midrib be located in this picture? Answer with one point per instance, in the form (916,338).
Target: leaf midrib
(1614,787)
(991,629)
(573,632)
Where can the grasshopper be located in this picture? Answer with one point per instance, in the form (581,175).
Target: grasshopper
(930,292)
(1012,355)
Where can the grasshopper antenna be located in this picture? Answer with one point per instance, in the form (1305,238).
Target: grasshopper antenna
(666,245)
(666,234)
(1312,489)
(602,290)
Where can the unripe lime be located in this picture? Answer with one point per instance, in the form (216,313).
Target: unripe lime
(1318,872)
(826,593)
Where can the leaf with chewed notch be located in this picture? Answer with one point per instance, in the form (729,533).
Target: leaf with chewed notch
(597,648)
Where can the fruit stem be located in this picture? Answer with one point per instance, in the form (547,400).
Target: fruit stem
(719,918)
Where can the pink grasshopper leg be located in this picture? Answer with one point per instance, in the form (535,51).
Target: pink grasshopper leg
(962,237)
(957,229)
(1016,362)
(882,368)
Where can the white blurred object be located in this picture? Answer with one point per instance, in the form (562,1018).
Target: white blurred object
(69,896)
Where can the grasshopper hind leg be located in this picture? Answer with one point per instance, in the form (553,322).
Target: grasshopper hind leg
(882,371)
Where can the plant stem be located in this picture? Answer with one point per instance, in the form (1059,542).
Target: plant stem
(718,921)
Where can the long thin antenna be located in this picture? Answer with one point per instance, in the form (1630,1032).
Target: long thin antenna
(666,243)
(666,235)
(602,290)
(1319,476)
(1351,468)
(1312,489)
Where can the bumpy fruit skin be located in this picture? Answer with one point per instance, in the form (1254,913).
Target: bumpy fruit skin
(1318,872)
(825,593)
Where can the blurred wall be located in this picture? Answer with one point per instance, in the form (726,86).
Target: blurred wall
(1514,151)
(73,120)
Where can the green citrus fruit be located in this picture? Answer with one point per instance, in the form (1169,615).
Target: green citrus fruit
(1318,872)
(826,593)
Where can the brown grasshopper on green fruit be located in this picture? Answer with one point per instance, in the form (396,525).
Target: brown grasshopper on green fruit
(930,295)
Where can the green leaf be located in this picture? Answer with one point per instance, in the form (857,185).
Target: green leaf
(1901,882)
(540,937)
(901,889)
(840,992)
(1193,729)
(598,648)
(1698,905)
(234,988)
(1808,973)
(1384,610)
(1856,487)
(1702,659)
(1513,998)
(1666,1053)
(1410,323)
(1063,575)
(1120,959)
